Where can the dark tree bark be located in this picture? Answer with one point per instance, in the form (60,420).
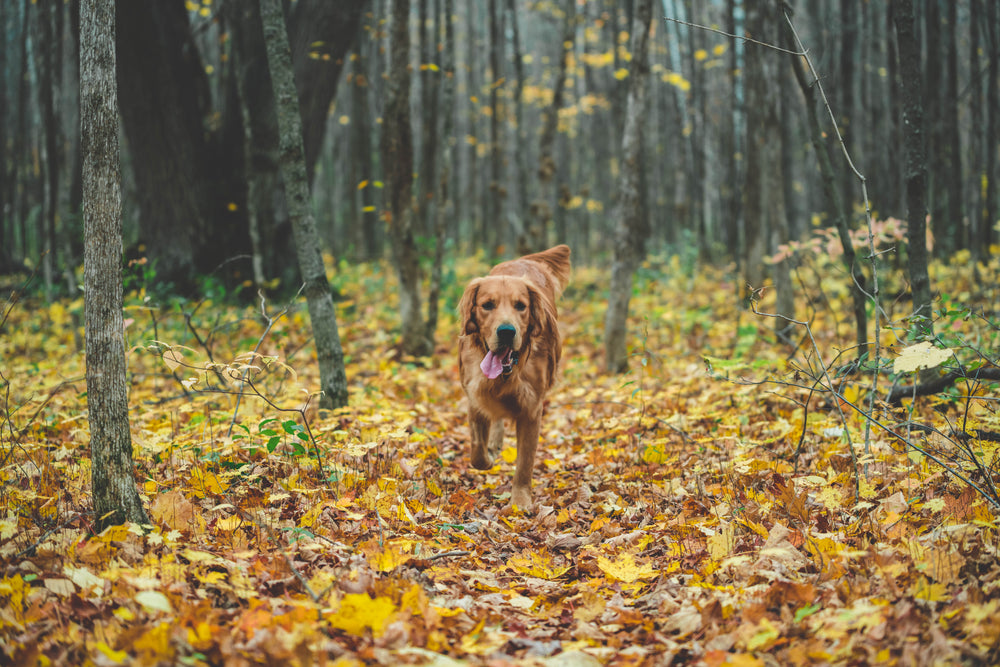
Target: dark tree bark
(839,205)
(543,207)
(949,228)
(116,498)
(164,104)
(494,226)
(765,205)
(448,157)
(429,112)
(519,203)
(321,33)
(45,64)
(913,128)
(397,157)
(992,206)
(631,228)
(322,314)
(184,154)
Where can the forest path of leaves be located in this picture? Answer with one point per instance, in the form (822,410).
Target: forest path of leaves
(671,524)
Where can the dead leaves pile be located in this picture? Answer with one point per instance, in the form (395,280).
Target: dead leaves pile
(672,527)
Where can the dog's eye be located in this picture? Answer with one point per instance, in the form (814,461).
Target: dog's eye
(520,306)
(489,305)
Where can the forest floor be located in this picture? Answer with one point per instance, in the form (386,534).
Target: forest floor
(682,516)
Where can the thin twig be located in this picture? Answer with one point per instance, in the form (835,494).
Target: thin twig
(740,37)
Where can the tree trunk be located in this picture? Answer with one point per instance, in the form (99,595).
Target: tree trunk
(320,33)
(839,205)
(44,56)
(631,228)
(992,125)
(322,314)
(447,162)
(397,156)
(765,206)
(519,203)
(913,126)
(495,227)
(116,498)
(543,207)
(430,74)
(951,231)
(362,166)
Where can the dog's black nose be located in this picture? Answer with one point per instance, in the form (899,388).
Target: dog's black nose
(505,334)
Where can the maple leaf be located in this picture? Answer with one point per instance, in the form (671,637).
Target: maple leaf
(624,568)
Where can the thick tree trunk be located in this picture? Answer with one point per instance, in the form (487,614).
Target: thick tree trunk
(913,129)
(397,156)
(116,498)
(765,205)
(321,34)
(322,315)
(631,228)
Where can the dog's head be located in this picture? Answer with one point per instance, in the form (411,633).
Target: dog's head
(505,313)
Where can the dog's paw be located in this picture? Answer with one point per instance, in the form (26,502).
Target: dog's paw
(482,459)
(520,499)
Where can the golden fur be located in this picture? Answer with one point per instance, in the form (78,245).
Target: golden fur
(508,355)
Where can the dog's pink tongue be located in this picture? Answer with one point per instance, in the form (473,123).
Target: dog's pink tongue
(492,365)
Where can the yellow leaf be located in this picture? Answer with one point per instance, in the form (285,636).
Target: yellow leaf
(111,654)
(700,54)
(153,601)
(536,564)
(358,612)
(625,568)
(230,523)
(921,355)
(621,73)
(363,184)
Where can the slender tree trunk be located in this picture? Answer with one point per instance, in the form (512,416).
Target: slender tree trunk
(362,166)
(913,124)
(519,204)
(495,227)
(322,314)
(631,228)
(447,162)
(952,233)
(430,96)
(543,207)
(839,205)
(977,150)
(44,56)
(992,125)
(116,498)
(397,156)
(6,203)
(251,175)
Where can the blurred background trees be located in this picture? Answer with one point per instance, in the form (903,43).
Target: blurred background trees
(725,134)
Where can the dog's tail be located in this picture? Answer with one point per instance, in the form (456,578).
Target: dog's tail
(557,259)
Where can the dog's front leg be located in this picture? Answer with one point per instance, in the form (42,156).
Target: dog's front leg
(527,443)
(479,424)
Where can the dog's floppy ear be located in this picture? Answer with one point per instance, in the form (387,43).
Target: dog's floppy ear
(467,307)
(543,315)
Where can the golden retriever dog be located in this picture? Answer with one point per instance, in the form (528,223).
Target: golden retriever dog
(508,355)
